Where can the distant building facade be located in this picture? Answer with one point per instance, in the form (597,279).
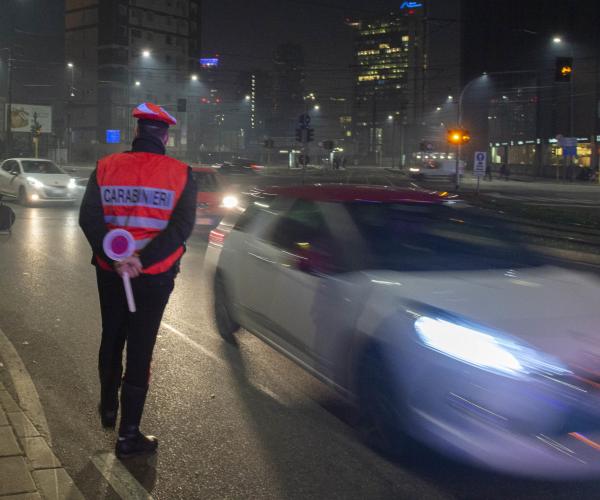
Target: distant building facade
(406,64)
(124,52)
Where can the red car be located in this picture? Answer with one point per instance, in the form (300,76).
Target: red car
(212,200)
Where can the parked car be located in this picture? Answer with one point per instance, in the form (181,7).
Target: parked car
(213,198)
(35,181)
(428,315)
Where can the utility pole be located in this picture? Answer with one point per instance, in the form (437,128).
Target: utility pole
(8,142)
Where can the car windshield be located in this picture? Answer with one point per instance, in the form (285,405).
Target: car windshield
(413,237)
(206,182)
(40,167)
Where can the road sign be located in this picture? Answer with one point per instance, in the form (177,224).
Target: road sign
(480,164)
(568,145)
(304,120)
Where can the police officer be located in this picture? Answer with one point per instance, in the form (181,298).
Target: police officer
(153,197)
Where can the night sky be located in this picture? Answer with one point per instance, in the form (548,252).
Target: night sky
(245,34)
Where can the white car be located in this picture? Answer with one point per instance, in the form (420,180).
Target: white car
(428,315)
(33,181)
(445,169)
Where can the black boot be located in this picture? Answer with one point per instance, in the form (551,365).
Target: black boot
(109,397)
(131,441)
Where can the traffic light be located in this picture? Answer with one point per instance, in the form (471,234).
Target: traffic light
(300,134)
(564,69)
(311,135)
(458,137)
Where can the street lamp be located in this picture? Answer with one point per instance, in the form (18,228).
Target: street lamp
(247,98)
(317,107)
(71,67)
(137,83)
(146,54)
(557,39)
(194,78)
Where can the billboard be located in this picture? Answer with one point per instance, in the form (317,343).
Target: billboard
(31,118)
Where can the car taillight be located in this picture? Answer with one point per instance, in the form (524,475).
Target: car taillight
(254,166)
(216,237)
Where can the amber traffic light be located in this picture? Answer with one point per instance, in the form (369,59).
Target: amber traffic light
(458,137)
(564,69)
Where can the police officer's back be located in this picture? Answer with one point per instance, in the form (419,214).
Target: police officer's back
(154,198)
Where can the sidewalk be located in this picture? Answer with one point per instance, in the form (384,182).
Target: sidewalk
(28,468)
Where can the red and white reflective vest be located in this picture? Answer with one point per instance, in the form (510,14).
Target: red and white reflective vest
(139,192)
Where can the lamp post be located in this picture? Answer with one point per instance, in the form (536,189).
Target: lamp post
(468,85)
(8,142)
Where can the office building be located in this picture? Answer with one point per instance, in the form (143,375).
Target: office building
(124,52)
(406,64)
(31,37)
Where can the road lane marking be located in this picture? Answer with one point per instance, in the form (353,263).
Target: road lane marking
(259,387)
(27,394)
(193,343)
(119,478)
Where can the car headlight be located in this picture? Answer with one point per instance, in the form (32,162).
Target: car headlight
(483,349)
(72,184)
(414,170)
(32,181)
(230,201)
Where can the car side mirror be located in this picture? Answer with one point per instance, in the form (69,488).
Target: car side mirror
(13,173)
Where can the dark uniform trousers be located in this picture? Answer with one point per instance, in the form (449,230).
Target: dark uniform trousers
(138,330)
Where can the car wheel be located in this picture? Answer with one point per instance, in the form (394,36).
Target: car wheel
(381,406)
(22,196)
(226,324)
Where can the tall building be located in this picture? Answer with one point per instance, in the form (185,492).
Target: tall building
(124,52)
(288,89)
(32,61)
(389,76)
(254,94)
(406,62)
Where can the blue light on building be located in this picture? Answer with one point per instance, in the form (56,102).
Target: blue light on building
(410,5)
(209,62)
(113,136)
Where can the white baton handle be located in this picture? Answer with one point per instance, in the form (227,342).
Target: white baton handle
(129,292)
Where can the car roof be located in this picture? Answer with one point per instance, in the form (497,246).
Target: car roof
(348,193)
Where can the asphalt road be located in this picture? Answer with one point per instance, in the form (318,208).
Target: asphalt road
(233,422)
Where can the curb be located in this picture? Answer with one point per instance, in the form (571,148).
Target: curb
(28,466)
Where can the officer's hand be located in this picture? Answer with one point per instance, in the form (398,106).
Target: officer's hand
(130,265)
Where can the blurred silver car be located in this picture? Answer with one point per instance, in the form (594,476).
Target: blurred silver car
(35,181)
(438,324)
